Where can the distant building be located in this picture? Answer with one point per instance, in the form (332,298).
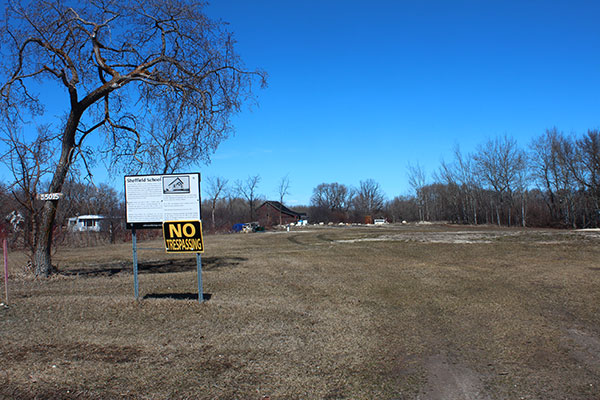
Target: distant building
(86,223)
(269,211)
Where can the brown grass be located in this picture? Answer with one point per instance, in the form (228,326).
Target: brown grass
(325,313)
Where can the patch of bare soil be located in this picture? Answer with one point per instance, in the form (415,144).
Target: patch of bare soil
(587,348)
(478,237)
(447,380)
(434,237)
(68,352)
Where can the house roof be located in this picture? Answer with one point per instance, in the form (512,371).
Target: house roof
(280,207)
(177,181)
(94,216)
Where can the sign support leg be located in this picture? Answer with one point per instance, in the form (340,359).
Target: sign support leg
(135,264)
(199,270)
(5,250)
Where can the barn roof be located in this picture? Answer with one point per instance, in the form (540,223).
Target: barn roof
(280,207)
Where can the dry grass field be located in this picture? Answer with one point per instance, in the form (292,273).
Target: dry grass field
(395,312)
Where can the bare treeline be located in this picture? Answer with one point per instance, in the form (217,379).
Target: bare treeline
(554,182)
(335,202)
(331,202)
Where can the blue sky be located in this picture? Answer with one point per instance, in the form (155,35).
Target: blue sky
(359,90)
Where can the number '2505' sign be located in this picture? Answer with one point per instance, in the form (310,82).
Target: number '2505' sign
(183,236)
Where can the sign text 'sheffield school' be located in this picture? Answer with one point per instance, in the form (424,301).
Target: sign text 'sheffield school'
(138,179)
(183,236)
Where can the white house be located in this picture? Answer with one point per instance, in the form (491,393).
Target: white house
(85,223)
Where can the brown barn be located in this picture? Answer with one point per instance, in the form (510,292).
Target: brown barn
(268,214)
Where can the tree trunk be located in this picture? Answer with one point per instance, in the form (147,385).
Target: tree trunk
(212,213)
(42,262)
(43,243)
(523,211)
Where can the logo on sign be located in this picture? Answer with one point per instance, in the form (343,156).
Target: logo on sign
(183,236)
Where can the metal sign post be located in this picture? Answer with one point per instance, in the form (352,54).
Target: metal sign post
(5,250)
(199,272)
(135,264)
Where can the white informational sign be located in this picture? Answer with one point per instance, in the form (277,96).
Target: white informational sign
(152,199)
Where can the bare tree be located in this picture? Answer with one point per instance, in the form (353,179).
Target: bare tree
(368,198)
(586,169)
(417,180)
(6,206)
(500,164)
(170,147)
(333,198)
(283,190)
(120,64)
(553,156)
(29,162)
(461,174)
(467,177)
(248,190)
(402,208)
(454,193)
(216,187)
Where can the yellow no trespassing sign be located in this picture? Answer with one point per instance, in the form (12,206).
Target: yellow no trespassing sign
(183,236)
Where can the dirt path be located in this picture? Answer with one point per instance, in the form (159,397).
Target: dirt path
(447,380)
(586,349)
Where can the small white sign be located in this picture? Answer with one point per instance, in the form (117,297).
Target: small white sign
(49,196)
